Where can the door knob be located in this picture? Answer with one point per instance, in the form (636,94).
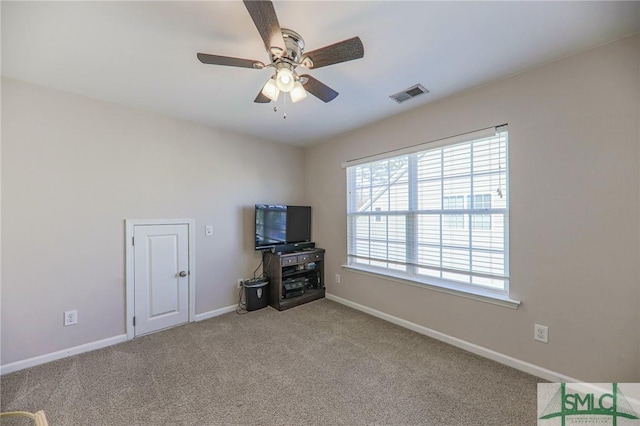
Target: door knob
(183,273)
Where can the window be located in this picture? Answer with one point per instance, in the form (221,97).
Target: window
(453,202)
(434,215)
(480,202)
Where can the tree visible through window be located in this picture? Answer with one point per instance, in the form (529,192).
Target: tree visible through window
(439,215)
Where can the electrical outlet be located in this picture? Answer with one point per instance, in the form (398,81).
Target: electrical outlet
(70,318)
(240,282)
(337,278)
(208,230)
(541,333)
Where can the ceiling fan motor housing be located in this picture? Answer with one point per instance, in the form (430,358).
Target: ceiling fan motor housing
(295,48)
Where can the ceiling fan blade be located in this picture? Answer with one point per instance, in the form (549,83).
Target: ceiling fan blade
(266,21)
(342,51)
(318,89)
(205,58)
(261,99)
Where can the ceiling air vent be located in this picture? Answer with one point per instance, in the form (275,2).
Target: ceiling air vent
(409,93)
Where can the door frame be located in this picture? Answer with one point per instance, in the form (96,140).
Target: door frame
(129,266)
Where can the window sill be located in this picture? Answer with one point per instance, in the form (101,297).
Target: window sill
(469,293)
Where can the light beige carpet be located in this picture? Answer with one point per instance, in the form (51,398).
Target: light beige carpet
(317,364)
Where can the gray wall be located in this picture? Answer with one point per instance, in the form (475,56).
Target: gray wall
(575,191)
(74,168)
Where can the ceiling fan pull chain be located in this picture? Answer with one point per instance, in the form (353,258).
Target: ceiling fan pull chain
(284,107)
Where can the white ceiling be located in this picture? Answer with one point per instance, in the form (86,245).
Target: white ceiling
(143,54)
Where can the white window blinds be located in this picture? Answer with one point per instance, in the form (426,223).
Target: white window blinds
(439,214)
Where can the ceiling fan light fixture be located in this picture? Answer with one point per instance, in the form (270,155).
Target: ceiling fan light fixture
(297,93)
(270,89)
(285,79)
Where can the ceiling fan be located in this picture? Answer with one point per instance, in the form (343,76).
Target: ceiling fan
(286,52)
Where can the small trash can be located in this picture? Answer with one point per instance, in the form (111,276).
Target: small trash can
(256,293)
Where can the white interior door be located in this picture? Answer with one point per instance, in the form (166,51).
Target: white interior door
(161,276)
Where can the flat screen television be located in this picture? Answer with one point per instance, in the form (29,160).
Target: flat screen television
(278,224)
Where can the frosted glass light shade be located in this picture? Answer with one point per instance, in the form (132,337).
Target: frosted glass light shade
(285,80)
(270,90)
(297,93)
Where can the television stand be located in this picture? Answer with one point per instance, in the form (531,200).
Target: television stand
(295,277)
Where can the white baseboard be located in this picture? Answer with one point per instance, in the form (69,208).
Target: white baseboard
(215,313)
(88,347)
(518,364)
(527,367)
(41,359)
